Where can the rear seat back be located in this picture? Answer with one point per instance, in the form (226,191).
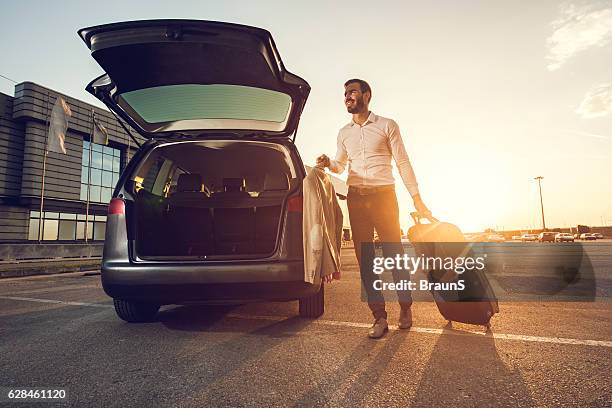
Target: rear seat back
(191,219)
(151,222)
(276,184)
(189,183)
(267,217)
(229,222)
(234,227)
(233,188)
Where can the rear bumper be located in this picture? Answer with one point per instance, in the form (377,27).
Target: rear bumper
(219,283)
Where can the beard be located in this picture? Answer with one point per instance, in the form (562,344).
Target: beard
(357,107)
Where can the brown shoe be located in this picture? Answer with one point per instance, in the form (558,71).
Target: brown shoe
(405,319)
(378,329)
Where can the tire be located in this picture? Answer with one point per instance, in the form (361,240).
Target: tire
(135,312)
(313,306)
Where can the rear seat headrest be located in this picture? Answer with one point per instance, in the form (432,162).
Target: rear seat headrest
(276,182)
(233,184)
(189,182)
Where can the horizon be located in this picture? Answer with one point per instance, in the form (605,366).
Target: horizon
(482,108)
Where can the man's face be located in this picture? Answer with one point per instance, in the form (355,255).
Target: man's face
(354,98)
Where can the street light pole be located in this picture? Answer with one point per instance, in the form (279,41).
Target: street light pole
(539,178)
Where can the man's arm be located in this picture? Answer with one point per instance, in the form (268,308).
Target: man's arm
(398,151)
(339,163)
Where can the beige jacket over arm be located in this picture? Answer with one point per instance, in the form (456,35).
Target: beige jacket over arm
(322,226)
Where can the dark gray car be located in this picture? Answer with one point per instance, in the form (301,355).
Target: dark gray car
(209,210)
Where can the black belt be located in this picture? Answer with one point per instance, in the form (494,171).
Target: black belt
(366,190)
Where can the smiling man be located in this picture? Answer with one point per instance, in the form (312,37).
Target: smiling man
(367,144)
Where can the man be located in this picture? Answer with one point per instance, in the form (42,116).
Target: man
(367,144)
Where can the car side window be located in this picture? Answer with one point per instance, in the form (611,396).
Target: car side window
(154,176)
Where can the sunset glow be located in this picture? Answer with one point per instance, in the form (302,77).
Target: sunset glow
(483,107)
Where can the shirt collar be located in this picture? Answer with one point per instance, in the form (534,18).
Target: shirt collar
(371,119)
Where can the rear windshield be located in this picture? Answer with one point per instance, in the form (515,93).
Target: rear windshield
(198,107)
(250,167)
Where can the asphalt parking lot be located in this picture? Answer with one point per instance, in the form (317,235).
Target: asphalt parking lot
(61,331)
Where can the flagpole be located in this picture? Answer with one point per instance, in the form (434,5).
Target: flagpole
(44,169)
(89,177)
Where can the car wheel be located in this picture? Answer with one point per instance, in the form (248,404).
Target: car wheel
(313,306)
(135,312)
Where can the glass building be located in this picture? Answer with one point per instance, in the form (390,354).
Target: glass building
(86,174)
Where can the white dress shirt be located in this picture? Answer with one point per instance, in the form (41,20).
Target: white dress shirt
(368,149)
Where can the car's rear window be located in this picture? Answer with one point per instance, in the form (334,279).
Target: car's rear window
(215,106)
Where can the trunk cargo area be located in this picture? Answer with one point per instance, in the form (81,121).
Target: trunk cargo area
(196,226)
(201,200)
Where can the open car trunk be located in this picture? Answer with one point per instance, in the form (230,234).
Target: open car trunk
(222,199)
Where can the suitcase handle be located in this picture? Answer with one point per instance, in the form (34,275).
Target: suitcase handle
(417,217)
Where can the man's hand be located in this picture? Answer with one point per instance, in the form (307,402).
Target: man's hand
(420,206)
(323,161)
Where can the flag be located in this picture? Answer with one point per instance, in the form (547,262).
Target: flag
(100,134)
(58,124)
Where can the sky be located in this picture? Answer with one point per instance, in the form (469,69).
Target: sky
(488,95)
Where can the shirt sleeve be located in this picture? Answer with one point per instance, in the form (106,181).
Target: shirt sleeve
(339,163)
(398,151)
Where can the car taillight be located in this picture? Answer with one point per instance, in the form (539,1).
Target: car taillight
(116,206)
(295,203)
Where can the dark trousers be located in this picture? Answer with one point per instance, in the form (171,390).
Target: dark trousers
(377,211)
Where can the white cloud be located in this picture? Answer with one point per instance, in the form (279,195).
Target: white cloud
(597,102)
(577,29)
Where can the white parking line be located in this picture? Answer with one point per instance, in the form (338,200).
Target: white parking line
(425,330)
(61,302)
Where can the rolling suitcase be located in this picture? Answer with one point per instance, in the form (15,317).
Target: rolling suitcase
(476,302)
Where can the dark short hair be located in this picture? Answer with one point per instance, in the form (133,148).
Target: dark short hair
(365,87)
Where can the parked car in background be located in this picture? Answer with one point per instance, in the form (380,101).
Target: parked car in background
(209,210)
(495,238)
(529,237)
(564,237)
(516,237)
(547,236)
(588,236)
(598,235)
(479,237)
